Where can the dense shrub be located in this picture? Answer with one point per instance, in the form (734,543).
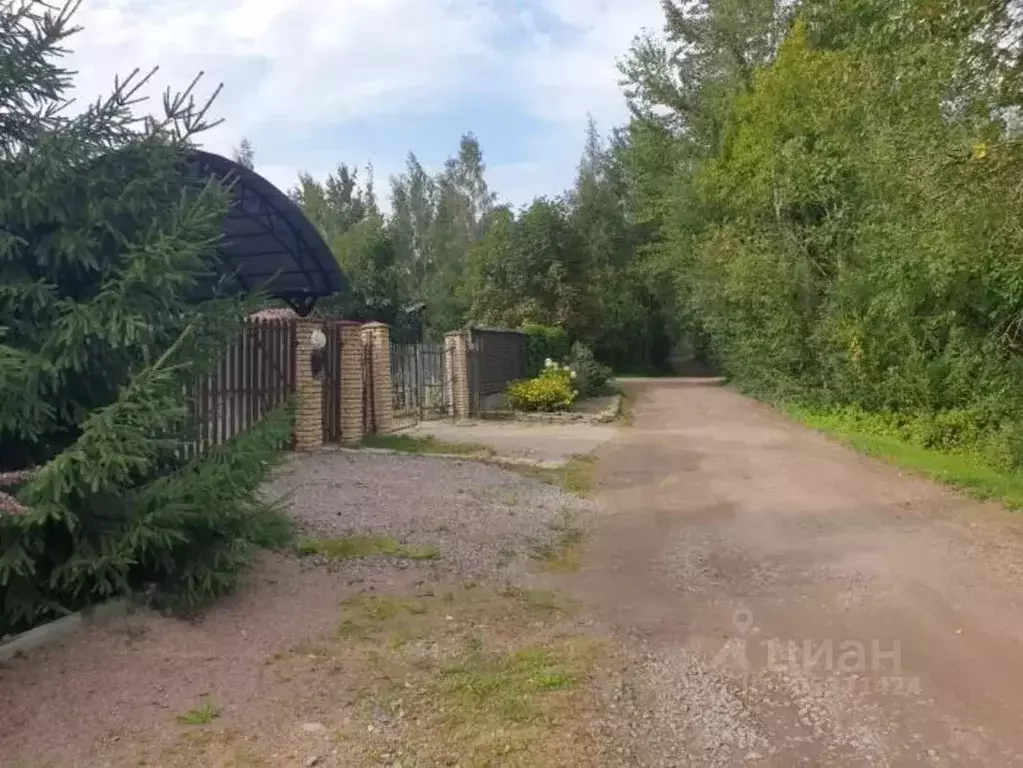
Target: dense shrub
(553,390)
(544,342)
(592,378)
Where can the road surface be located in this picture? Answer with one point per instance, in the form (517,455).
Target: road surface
(793,603)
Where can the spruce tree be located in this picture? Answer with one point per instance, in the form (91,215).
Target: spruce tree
(244,154)
(110,310)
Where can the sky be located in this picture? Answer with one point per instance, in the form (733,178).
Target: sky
(313,83)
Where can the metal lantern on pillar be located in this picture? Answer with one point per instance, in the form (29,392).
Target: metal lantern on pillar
(318,342)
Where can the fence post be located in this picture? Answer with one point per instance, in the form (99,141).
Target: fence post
(351,381)
(456,349)
(308,390)
(378,337)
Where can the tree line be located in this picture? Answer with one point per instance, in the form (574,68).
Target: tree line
(450,252)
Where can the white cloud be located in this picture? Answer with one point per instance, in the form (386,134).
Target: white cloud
(291,65)
(567,81)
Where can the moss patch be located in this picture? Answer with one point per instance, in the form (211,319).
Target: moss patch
(575,476)
(424,445)
(358,546)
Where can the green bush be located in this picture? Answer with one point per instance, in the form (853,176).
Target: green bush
(592,378)
(552,390)
(544,342)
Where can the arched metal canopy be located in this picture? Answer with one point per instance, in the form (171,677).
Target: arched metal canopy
(269,244)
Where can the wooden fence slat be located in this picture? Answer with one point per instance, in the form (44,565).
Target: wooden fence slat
(255,375)
(221,411)
(253,351)
(278,374)
(268,341)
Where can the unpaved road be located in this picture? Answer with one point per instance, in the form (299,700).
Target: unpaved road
(792,603)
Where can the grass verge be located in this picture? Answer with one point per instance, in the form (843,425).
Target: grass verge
(969,474)
(576,476)
(358,546)
(424,445)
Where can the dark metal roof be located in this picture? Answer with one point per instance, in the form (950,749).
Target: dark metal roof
(269,244)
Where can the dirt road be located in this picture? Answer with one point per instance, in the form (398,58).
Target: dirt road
(791,602)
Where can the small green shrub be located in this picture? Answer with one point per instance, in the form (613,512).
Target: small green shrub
(544,342)
(592,378)
(552,390)
(1004,448)
(204,714)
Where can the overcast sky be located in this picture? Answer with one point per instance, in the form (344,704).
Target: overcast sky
(316,82)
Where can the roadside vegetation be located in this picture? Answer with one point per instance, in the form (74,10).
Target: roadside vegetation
(972,470)
(840,217)
(575,476)
(424,444)
(360,546)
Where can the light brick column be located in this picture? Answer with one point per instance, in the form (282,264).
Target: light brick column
(377,336)
(308,390)
(351,382)
(456,353)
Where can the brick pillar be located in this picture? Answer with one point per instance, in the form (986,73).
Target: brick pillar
(351,382)
(456,353)
(377,336)
(308,390)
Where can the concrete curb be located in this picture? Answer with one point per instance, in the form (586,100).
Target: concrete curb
(53,631)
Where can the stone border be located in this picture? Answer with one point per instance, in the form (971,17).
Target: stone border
(605,416)
(52,631)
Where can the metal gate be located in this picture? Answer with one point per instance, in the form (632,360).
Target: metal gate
(418,383)
(495,359)
(332,383)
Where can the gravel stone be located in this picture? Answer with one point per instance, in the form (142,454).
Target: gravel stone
(482,518)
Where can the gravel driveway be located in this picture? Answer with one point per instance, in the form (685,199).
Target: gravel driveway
(480,517)
(112,694)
